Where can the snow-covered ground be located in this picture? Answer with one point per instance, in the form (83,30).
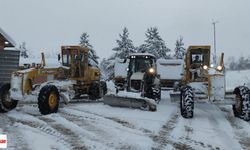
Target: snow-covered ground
(235,78)
(97,126)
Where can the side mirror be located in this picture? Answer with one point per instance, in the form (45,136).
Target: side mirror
(59,57)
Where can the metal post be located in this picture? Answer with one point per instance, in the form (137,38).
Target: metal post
(214,56)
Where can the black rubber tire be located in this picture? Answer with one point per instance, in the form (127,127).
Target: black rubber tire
(187,102)
(43,99)
(104,87)
(157,94)
(95,91)
(244,111)
(4,91)
(153,93)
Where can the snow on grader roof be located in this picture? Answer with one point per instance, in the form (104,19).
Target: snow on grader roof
(170,61)
(170,68)
(142,54)
(9,41)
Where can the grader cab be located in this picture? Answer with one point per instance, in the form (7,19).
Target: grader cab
(205,82)
(71,80)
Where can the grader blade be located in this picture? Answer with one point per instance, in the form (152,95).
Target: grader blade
(130,102)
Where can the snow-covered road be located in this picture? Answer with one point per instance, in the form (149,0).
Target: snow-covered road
(97,126)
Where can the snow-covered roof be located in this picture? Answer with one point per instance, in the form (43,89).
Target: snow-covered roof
(142,54)
(169,61)
(170,69)
(8,39)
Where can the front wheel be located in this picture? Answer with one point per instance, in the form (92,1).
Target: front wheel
(153,93)
(95,91)
(187,102)
(241,108)
(48,99)
(6,103)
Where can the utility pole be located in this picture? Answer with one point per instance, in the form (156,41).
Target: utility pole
(214,56)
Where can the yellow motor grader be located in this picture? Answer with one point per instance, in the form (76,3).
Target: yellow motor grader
(205,82)
(74,78)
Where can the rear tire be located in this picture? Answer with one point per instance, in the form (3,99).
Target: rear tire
(48,99)
(242,107)
(95,91)
(6,103)
(187,102)
(104,87)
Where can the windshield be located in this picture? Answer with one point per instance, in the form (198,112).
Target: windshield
(197,58)
(66,60)
(140,64)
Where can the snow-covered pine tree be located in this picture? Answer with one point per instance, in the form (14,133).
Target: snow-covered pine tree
(124,45)
(154,44)
(23,50)
(232,64)
(107,67)
(103,67)
(179,49)
(142,48)
(84,42)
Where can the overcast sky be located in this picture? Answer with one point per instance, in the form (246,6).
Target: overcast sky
(48,24)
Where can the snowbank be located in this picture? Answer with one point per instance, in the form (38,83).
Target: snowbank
(236,78)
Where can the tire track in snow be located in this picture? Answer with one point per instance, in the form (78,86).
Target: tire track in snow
(64,135)
(70,136)
(13,135)
(83,123)
(78,131)
(117,120)
(188,139)
(162,139)
(239,131)
(48,126)
(100,126)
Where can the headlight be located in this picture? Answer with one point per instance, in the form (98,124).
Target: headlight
(151,70)
(211,65)
(219,68)
(205,67)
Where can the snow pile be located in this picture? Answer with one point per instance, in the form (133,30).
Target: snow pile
(111,87)
(236,78)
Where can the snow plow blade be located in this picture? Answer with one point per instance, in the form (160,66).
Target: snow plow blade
(130,102)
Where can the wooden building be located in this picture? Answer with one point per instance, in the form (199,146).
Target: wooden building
(9,58)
